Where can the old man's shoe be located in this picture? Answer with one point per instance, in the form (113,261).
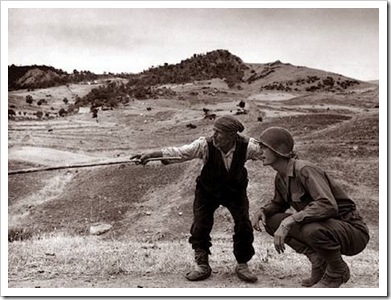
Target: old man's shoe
(202,270)
(244,273)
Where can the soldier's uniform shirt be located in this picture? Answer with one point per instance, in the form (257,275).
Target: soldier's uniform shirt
(326,218)
(311,192)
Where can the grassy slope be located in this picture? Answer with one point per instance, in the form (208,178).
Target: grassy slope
(150,207)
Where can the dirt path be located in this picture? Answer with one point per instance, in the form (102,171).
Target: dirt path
(217,280)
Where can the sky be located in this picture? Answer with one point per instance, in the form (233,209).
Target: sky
(130,40)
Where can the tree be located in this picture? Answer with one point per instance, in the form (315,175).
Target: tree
(62,112)
(72,108)
(11,114)
(94,112)
(242,104)
(39,114)
(65,100)
(29,99)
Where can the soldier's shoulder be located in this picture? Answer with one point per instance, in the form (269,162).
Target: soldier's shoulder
(300,164)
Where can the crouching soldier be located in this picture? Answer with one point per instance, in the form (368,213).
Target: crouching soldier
(326,223)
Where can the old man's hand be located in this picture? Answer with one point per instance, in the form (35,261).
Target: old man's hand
(259,216)
(142,158)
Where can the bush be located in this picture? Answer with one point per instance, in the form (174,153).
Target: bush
(62,112)
(72,108)
(18,234)
(41,101)
(11,113)
(39,114)
(29,99)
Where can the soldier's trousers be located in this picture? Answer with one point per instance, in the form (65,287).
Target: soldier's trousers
(349,236)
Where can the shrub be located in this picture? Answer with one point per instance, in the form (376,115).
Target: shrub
(62,112)
(39,114)
(72,108)
(18,234)
(94,112)
(29,99)
(11,113)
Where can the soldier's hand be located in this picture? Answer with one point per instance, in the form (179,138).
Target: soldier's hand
(257,217)
(281,233)
(279,238)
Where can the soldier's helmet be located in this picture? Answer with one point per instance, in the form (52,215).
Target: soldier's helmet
(279,140)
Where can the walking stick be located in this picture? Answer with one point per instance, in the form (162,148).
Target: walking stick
(89,165)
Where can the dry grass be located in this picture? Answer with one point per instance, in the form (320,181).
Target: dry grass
(60,254)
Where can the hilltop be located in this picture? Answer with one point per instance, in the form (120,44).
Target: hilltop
(233,75)
(42,76)
(218,73)
(217,64)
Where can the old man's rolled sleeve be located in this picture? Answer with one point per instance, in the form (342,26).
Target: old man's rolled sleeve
(197,149)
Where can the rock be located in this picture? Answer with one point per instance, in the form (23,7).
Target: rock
(99,228)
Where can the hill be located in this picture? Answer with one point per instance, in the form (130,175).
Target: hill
(41,76)
(32,77)
(232,73)
(221,65)
(280,76)
(236,74)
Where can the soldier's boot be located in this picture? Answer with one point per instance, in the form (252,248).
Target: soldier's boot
(202,270)
(318,268)
(244,273)
(337,272)
(318,263)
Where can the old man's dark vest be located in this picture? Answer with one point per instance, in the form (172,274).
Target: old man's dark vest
(214,176)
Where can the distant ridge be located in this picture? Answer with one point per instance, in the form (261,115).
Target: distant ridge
(217,64)
(374,81)
(41,76)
